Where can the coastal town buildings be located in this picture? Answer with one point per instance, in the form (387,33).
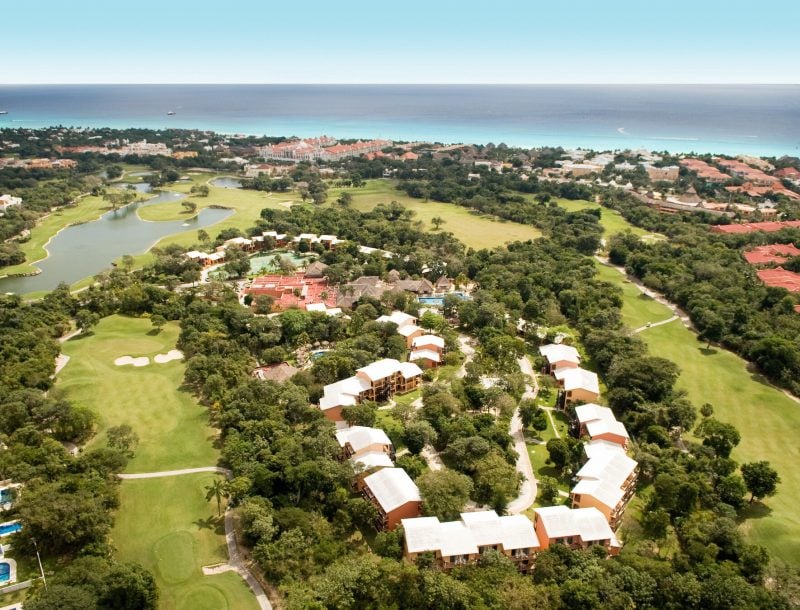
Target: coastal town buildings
(323,148)
(462,542)
(771,254)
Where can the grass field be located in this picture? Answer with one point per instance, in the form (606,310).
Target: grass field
(172,427)
(167,526)
(639,308)
(612,221)
(766,418)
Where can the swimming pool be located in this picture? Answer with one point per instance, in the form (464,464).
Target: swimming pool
(5,495)
(5,572)
(437,300)
(11,527)
(319,353)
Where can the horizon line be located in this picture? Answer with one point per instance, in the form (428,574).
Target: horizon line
(432,84)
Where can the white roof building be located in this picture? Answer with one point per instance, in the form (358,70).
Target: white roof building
(598,420)
(587,523)
(558,352)
(372,459)
(7,201)
(425,354)
(343,393)
(398,317)
(578,379)
(604,477)
(361,437)
(392,488)
(467,536)
(428,340)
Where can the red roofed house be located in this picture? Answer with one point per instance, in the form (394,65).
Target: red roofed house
(751,227)
(294,290)
(792,173)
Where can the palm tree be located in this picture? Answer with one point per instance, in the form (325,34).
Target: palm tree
(217,490)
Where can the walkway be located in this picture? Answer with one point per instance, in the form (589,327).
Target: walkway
(654,324)
(528,488)
(176,473)
(235,562)
(469,352)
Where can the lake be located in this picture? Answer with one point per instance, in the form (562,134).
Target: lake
(85,250)
(227,183)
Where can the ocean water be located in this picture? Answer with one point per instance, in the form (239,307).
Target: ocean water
(752,119)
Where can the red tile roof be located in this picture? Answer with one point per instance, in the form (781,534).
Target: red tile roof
(282,289)
(780,278)
(750,227)
(775,253)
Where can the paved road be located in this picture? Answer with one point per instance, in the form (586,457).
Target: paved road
(528,489)
(235,562)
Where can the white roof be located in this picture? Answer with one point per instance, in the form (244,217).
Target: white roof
(380,369)
(409,369)
(588,523)
(342,393)
(474,530)
(398,317)
(408,329)
(589,412)
(274,234)
(196,254)
(361,437)
(600,427)
(600,420)
(602,477)
(599,447)
(316,307)
(424,354)
(558,352)
(238,241)
(372,459)
(392,487)
(574,379)
(216,256)
(428,340)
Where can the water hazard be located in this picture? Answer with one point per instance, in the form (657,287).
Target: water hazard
(85,250)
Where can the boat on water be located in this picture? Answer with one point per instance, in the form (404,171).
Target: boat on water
(170,113)
(3,111)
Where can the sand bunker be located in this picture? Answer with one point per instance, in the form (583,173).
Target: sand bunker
(173,354)
(123,360)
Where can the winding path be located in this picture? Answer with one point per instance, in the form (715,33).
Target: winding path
(235,562)
(654,324)
(528,488)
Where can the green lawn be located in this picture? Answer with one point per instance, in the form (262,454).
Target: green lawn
(167,526)
(766,418)
(475,231)
(611,220)
(639,308)
(173,429)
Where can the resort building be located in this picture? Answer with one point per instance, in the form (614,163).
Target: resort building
(378,381)
(329,242)
(406,326)
(7,202)
(357,441)
(394,494)
(462,542)
(559,356)
(293,291)
(751,227)
(599,424)
(369,462)
(323,148)
(278,373)
(578,528)
(427,350)
(577,385)
(669,173)
(606,482)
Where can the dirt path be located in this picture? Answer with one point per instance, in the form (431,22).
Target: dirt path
(176,473)
(469,352)
(654,324)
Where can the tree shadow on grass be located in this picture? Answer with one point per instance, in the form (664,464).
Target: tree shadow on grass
(209,523)
(708,351)
(756,510)
(154,332)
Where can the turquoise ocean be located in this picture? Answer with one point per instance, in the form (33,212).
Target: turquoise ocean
(731,119)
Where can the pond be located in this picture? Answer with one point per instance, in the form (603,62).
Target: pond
(227,182)
(85,250)
(139,187)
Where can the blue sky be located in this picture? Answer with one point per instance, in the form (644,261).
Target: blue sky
(411,41)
